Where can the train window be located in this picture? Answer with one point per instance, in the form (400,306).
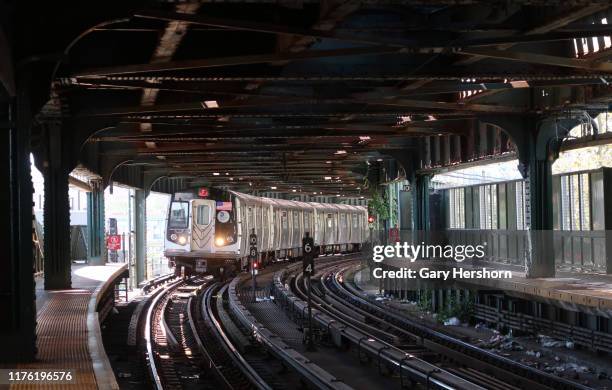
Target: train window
(355,221)
(284,222)
(251,222)
(343,220)
(329,220)
(296,219)
(306,222)
(203,215)
(179,214)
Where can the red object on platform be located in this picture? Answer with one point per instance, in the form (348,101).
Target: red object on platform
(113,242)
(394,235)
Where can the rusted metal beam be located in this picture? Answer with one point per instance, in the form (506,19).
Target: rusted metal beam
(248,25)
(235,60)
(560,21)
(541,59)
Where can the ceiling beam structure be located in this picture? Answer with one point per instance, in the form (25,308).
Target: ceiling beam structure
(312,98)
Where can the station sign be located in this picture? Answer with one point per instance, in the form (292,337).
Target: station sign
(308,256)
(113,242)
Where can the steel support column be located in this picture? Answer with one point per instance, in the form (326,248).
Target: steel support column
(17,298)
(56,211)
(140,234)
(538,142)
(95,224)
(540,259)
(420,206)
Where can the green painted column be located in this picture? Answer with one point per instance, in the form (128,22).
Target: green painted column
(140,236)
(420,206)
(95,224)
(539,259)
(56,211)
(17,298)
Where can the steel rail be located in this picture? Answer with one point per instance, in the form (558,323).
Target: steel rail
(416,369)
(535,378)
(312,373)
(153,369)
(225,342)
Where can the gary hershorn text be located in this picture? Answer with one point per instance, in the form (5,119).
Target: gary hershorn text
(455,273)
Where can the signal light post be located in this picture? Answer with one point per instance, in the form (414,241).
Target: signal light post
(308,271)
(253,258)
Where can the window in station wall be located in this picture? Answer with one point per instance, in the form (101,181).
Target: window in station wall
(575,202)
(456,208)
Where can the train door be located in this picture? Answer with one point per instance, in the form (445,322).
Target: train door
(355,230)
(203,225)
(343,230)
(296,241)
(330,228)
(285,238)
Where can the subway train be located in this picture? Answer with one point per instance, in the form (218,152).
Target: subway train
(209,232)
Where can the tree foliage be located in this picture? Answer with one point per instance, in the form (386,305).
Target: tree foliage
(378,205)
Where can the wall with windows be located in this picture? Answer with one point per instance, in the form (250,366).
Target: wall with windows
(495,214)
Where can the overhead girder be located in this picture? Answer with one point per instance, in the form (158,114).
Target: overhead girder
(351,96)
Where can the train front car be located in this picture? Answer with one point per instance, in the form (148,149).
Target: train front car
(202,235)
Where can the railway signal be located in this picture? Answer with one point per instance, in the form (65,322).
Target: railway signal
(253,258)
(308,269)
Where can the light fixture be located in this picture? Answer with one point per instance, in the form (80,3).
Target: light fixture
(293,190)
(210,104)
(341,151)
(328,162)
(364,138)
(328,178)
(226,174)
(379,159)
(215,173)
(273,188)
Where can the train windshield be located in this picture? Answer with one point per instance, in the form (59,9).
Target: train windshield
(179,215)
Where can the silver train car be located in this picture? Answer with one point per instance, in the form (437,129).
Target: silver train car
(206,235)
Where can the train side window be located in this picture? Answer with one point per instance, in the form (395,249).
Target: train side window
(355,221)
(296,219)
(251,222)
(307,222)
(343,221)
(284,222)
(203,215)
(329,220)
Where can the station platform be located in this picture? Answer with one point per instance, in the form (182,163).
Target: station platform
(590,292)
(68,331)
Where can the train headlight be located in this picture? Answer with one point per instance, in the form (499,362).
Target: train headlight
(220,241)
(182,240)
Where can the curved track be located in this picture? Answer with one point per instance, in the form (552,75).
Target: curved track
(449,362)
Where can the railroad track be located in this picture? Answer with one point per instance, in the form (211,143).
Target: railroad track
(432,358)
(174,361)
(188,345)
